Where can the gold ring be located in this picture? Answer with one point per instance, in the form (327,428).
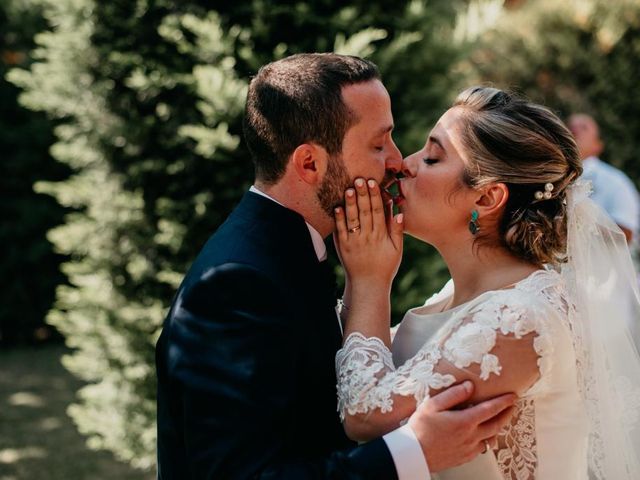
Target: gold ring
(487,447)
(354,229)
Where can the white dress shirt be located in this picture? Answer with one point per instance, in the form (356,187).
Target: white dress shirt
(614,191)
(402,443)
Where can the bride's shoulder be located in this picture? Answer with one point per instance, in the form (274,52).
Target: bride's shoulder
(543,289)
(548,287)
(435,302)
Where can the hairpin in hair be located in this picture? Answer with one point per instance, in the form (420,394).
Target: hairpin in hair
(546,195)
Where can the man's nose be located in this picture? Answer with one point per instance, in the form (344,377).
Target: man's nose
(393,162)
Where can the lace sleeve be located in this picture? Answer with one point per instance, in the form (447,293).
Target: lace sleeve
(367,378)
(478,344)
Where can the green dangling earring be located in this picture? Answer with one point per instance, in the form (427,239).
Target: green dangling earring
(474,228)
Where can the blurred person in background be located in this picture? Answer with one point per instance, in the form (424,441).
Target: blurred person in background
(613,190)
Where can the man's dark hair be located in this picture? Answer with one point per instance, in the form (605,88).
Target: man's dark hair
(297,100)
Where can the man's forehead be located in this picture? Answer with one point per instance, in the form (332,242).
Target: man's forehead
(363,95)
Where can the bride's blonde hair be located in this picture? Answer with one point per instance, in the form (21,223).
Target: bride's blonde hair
(525,146)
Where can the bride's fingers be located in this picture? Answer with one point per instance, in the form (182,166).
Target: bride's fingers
(364,205)
(351,207)
(396,231)
(377,207)
(341,228)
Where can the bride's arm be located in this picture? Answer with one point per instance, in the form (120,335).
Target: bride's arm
(369,245)
(375,397)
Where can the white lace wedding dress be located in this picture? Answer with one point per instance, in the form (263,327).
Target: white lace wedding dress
(548,436)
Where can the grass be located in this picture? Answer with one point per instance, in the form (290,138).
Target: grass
(37,438)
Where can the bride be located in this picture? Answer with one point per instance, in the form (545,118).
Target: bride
(533,307)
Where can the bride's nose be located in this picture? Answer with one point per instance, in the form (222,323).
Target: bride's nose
(409,166)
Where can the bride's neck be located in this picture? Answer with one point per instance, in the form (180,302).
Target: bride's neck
(476,270)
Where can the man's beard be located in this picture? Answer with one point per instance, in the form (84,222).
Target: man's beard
(335,182)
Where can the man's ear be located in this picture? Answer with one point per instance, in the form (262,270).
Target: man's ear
(309,161)
(492,200)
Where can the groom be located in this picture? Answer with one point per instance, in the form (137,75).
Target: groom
(245,362)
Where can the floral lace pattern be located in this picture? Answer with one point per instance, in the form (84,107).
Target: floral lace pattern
(368,379)
(364,382)
(516,454)
(472,342)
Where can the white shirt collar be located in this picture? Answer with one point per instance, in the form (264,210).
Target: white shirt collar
(318,242)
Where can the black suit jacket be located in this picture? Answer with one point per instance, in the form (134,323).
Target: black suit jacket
(245,361)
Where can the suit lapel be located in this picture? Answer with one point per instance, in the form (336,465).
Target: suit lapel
(284,235)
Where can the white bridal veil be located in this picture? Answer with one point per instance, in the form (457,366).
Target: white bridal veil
(601,279)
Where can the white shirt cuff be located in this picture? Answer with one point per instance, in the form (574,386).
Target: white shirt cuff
(407,454)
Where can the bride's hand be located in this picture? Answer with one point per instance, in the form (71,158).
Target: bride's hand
(369,243)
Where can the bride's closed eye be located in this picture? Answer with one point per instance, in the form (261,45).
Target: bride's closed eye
(430,161)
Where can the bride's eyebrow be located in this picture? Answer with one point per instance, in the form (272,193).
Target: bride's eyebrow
(436,140)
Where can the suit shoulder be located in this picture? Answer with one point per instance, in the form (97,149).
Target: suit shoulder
(234,281)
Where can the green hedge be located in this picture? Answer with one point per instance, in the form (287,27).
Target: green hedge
(29,267)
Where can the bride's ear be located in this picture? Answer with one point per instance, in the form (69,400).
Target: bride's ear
(492,200)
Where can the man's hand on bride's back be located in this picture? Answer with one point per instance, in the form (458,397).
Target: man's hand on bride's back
(369,242)
(451,437)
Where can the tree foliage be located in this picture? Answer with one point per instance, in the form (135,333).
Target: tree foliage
(574,56)
(29,266)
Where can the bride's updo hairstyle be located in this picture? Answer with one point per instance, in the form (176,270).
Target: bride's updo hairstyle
(525,146)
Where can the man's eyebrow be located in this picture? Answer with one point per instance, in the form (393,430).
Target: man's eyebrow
(384,130)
